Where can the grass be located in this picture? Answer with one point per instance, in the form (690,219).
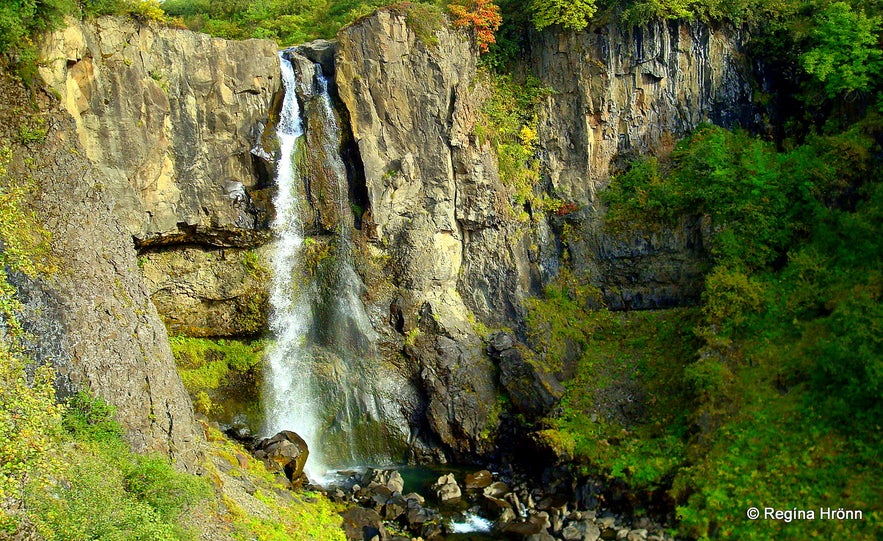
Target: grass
(150,498)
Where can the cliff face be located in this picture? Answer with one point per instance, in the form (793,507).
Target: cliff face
(149,148)
(93,318)
(410,107)
(623,93)
(437,207)
(169,119)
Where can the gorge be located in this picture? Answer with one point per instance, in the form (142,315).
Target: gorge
(417,252)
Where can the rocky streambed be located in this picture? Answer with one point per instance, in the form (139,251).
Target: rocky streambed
(449,503)
(471,505)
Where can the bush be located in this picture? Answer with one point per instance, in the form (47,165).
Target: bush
(91,419)
(570,14)
(846,55)
(30,418)
(153,481)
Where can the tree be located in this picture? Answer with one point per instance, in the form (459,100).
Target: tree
(846,56)
(571,14)
(483,15)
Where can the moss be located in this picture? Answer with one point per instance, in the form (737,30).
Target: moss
(318,253)
(221,376)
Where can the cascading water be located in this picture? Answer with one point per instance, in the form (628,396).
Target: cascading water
(322,377)
(289,401)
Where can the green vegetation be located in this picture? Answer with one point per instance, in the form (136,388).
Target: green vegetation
(288,22)
(29,417)
(287,515)
(149,498)
(101,490)
(622,414)
(784,382)
(571,14)
(509,123)
(845,54)
(211,369)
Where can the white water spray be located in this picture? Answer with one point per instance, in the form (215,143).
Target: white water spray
(289,401)
(322,379)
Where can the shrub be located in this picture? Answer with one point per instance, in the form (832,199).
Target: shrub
(570,14)
(153,481)
(91,419)
(846,55)
(30,419)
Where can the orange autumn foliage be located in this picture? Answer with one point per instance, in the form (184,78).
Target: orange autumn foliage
(483,15)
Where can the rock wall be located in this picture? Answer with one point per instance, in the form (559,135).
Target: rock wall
(619,93)
(92,318)
(170,118)
(437,209)
(173,123)
(410,106)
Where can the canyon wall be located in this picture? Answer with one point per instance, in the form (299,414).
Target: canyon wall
(171,128)
(148,149)
(92,317)
(459,260)
(618,94)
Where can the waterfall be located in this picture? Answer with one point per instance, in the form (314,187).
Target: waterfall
(322,379)
(288,394)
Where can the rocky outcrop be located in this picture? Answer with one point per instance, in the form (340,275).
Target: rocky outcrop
(532,388)
(437,210)
(170,118)
(92,318)
(620,93)
(411,106)
(201,291)
(286,452)
(173,123)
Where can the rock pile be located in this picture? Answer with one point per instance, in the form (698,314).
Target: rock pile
(516,511)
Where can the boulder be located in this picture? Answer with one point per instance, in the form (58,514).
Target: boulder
(446,488)
(390,479)
(523,528)
(583,530)
(496,489)
(479,479)
(533,389)
(361,524)
(285,452)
